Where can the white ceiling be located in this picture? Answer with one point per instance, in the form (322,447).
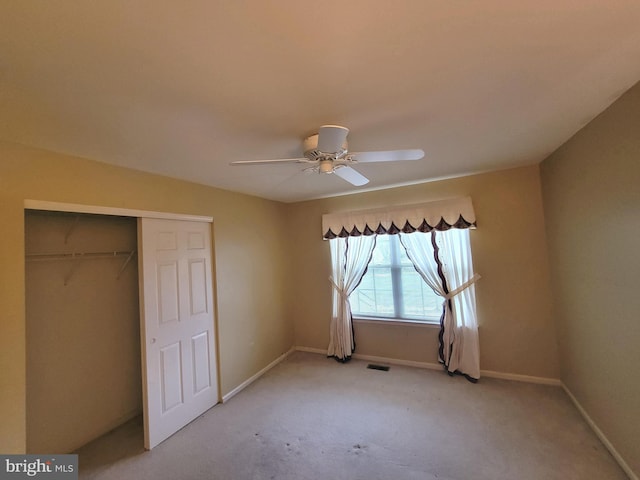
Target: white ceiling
(183,88)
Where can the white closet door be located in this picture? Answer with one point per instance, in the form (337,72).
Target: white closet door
(177,327)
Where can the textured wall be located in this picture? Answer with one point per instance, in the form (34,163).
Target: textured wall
(517,334)
(249,268)
(591,188)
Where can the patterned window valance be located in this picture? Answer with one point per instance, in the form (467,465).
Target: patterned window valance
(424,217)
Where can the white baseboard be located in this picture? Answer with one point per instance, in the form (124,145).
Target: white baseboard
(437,366)
(614,453)
(397,361)
(253,378)
(311,350)
(521,378)
(373,358)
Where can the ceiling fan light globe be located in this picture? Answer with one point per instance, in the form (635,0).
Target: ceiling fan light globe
(325,166)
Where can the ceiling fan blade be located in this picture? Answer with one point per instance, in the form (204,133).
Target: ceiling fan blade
(388,156)
(266,162)
(331,138)
(351,175)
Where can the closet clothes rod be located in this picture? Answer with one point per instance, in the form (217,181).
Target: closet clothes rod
(78,255)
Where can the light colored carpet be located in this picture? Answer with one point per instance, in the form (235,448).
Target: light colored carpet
(312,418)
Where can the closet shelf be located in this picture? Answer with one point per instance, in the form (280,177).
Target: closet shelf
(78,256)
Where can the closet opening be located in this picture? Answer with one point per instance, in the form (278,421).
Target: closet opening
(82,328)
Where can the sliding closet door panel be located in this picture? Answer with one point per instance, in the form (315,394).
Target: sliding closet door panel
(178,335)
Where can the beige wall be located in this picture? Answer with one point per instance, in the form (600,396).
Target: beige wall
(517,334)
(250,273)
(591,189)
(83,330)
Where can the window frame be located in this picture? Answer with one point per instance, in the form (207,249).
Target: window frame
(395,267)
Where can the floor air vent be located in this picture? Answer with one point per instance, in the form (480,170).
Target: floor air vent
(373,366)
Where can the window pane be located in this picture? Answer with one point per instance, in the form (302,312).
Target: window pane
(375,295)
(418,299)
(384,302)
(404,260)
(383,290)
(402,255)
(367,281)
(382,278)
(381,252)
(363,301)
(411,292)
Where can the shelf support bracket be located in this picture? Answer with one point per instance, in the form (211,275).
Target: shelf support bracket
(71,229)
(126,262)
(74,266)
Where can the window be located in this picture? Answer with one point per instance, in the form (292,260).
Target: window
(392,289)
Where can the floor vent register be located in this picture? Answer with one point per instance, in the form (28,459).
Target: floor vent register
(383,368)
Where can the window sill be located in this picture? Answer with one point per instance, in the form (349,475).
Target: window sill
(397,321)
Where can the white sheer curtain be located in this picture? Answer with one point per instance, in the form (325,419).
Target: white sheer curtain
(457,265)
(421,252)
(443,260)
(350,257)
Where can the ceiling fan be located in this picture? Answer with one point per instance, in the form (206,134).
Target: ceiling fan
(327,152)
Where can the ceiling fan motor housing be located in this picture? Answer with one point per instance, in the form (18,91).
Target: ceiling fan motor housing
(311,151)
